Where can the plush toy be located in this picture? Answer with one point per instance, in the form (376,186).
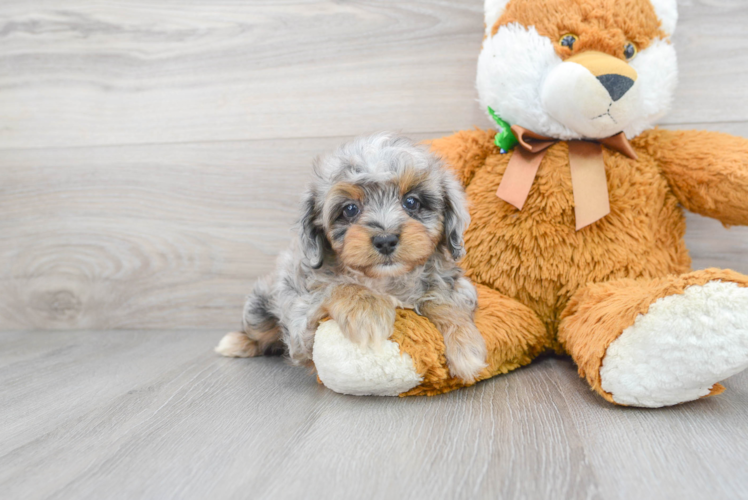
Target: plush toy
(576,241)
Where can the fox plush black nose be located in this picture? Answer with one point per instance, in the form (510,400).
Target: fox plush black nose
(385,244)
(616,85)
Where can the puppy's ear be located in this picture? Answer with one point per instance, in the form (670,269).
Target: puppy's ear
(311,234)
(456,217)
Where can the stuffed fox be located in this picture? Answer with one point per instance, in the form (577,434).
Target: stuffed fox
(576,240)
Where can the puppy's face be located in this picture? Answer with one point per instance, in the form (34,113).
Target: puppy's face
(383,206)
(384,228)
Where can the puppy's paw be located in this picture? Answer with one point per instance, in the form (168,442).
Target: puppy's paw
(367,323)
(375,331)
(364,317)
(368,328)
(466,354)
(238,345)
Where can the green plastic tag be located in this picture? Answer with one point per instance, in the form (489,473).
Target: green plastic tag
(505,139)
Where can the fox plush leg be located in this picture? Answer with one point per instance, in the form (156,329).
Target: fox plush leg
(659,342)
(413,361)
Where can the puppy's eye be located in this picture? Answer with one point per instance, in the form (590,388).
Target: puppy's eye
(629,50)
(411,204)
(568,40)
(351,210)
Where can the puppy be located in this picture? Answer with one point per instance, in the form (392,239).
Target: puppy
(382,227)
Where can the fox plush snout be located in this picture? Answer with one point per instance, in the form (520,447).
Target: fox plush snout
(592,93)
(614,74)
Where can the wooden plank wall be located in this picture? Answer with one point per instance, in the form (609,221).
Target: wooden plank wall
(152,153)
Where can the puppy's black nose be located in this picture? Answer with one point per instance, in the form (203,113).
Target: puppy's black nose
(385,244)
(616,85)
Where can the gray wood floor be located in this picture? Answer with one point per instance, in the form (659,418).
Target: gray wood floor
(151,157)
(147,414)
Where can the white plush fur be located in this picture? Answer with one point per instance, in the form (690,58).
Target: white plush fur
(492,10)
(512,67)
(667,12)
(680,348)
(657,67)
(523,79)
(349,368)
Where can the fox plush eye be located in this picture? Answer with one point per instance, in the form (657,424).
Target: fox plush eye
(411,204)
(568,40)
(350,211)
(629,50)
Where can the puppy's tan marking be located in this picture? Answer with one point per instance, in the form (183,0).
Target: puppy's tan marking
(465,347)
(238,345)
(416,244)
(346,190)
(252,343)
(339,194)
(363,316)
(410,179)
(358,251)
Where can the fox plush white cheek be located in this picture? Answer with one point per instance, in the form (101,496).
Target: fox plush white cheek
(553,84)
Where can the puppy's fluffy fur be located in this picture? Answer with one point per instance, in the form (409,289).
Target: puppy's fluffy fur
(381,228)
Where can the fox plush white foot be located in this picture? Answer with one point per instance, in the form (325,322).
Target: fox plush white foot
(350,368)
(680,348)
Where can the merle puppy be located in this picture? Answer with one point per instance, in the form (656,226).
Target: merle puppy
(381,228)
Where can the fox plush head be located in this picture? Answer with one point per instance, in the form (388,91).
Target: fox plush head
(576,69)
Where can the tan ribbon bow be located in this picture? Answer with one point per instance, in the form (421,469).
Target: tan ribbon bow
(588,179)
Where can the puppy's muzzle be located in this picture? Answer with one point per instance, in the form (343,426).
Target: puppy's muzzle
(385,244)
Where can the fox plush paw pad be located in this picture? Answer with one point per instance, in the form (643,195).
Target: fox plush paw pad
(349,368)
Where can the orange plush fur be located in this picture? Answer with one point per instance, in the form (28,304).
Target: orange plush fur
(596,315)
(531,266)
(600,25)
(542,284)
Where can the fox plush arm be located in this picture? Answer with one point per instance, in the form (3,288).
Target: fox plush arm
(465,151)
(707,171)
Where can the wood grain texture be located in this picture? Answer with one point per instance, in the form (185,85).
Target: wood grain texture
(172,236)
(154,72)
(152,153)
(156,415)
(84,72)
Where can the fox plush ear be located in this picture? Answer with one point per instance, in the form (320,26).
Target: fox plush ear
(667,12)
(492,12)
